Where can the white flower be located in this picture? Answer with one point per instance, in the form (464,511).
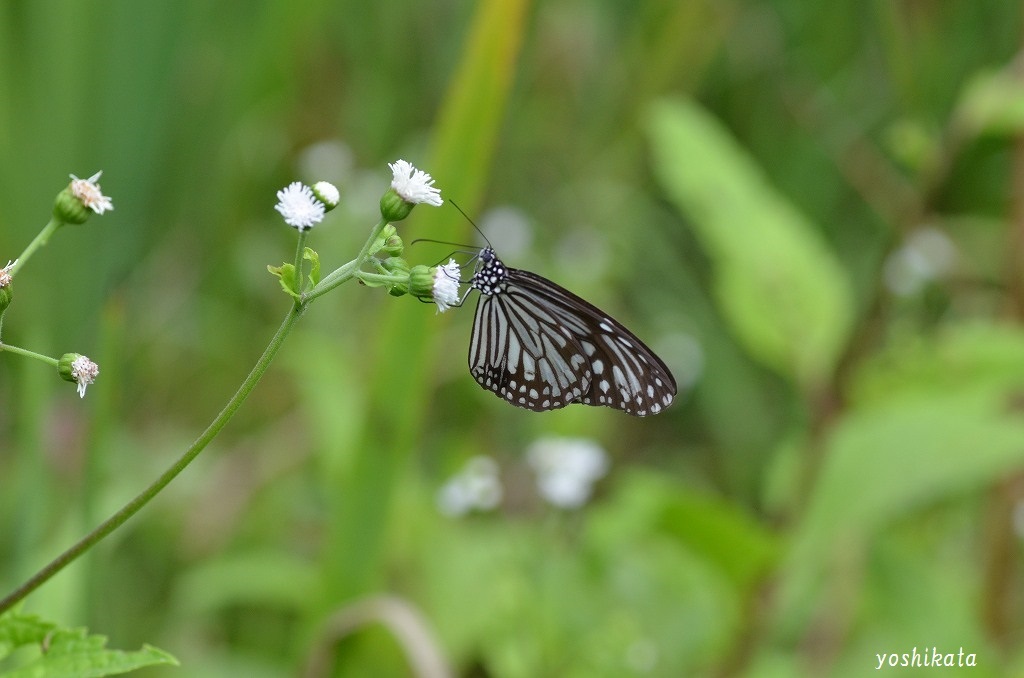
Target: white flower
(88,192)
(5,273)
(566,469)
(446,285)
(928,254)
(413,185)
(475,487)
(327,193)
(299,206)
(85,372)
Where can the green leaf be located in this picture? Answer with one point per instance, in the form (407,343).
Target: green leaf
(968,355)
(269,578)
(992,103)
(782,290)
(722,534)
(286,276)
(929,419)
(889,459)
(732,542)
(310,255)
(18,630)
(70,652)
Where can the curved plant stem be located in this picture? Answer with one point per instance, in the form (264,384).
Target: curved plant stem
(28,354)
(133,506)
(341,275)
(39,241)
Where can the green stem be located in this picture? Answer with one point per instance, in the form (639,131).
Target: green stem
(299,248)
(39,241)
(380,277)
(133,506)
(346,272)
(337,277)
(30,354)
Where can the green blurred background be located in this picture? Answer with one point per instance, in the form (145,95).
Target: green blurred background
(813,210)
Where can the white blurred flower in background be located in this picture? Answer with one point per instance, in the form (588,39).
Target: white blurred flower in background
(476,487)
(927,255)
(567,469)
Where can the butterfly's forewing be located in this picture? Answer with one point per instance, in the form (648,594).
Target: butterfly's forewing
(539,346)
(521,351)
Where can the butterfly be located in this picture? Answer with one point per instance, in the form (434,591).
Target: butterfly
(541,347)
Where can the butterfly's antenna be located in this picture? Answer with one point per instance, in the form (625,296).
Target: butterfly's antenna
(442,242)
(456,206)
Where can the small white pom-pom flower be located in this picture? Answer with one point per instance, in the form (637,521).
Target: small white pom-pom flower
(89,193)
(446,285)
(299,206)
(414,186)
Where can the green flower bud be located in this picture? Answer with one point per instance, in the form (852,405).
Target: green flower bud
(6,294)
(421,282)
(70,210)
(397,266)
(393,208)
(393,246)
(388,231)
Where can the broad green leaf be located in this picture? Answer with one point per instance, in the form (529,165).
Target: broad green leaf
(929,419)
(888,459)
(782,290)
(959,357)
(734,543)
(72,653)
(722,534)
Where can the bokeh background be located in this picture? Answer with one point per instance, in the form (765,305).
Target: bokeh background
(813,210)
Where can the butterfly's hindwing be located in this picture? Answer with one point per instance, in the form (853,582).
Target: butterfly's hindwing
(524,356)
(539,346)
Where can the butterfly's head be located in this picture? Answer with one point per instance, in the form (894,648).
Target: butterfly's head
(490,272)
